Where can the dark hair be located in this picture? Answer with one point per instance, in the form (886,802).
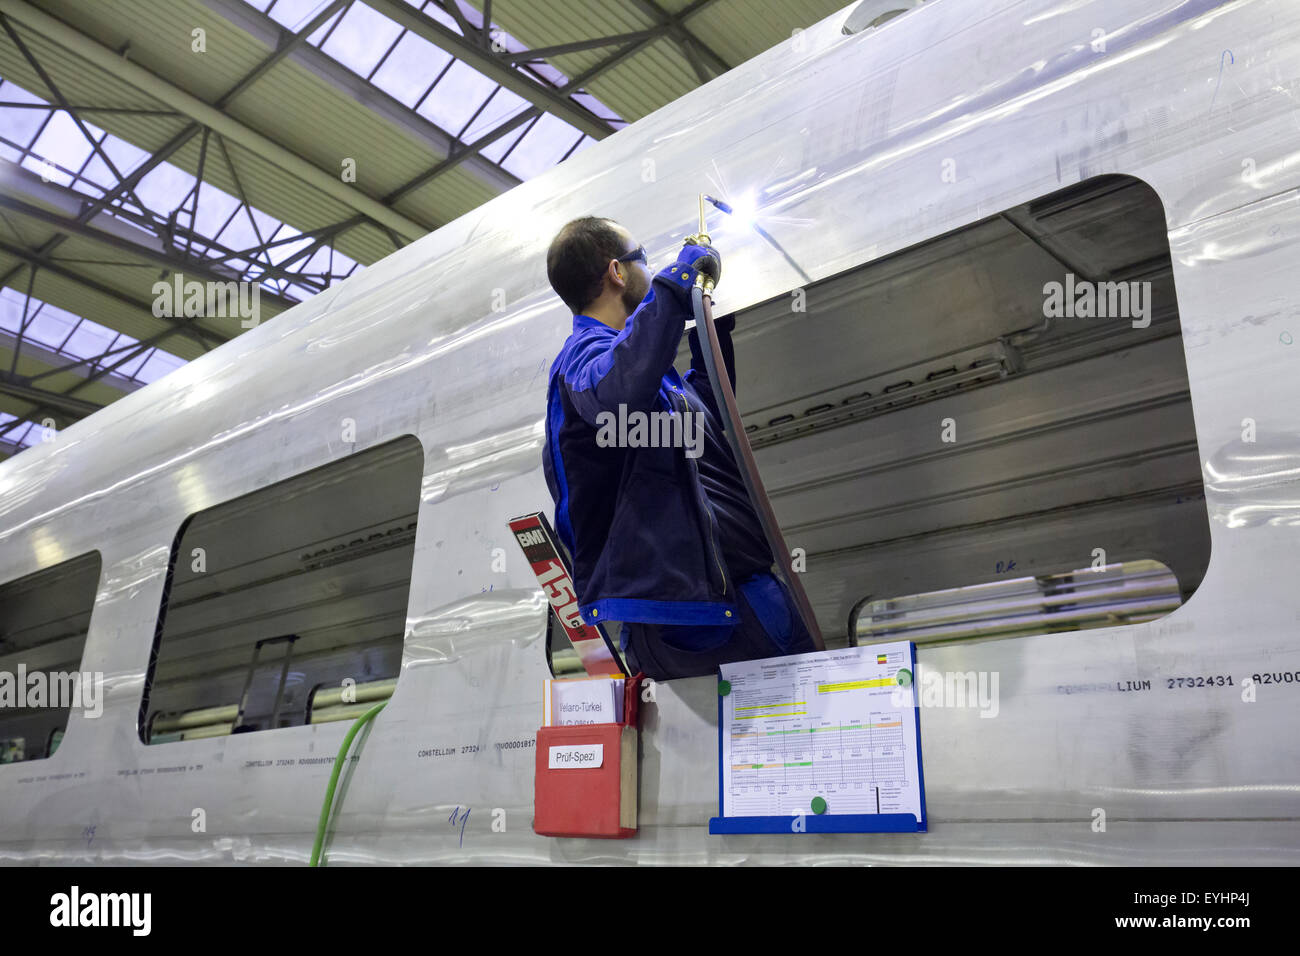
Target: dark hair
(578,257)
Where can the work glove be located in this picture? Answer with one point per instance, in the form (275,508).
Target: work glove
(690,260)
(704,259)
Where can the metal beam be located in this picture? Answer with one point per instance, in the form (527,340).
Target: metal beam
(609,63)
(33,258)
(79,208)
(122,110)
(27,317)
(108,60)
(286,41)
(285,44)
(106,369)
(92,207)
(330,71)
(19,386)
(468,30)
(119,356)
(128,354)
(62,101)
(692,46)
(546,52)
(493,66)
(174,262)
(463,155)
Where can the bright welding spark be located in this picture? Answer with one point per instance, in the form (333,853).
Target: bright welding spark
(745,210)
(746,214)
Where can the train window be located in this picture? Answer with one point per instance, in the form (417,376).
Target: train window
(279,598)
(1008,399)
(328,703)
(1127,593)
(44,618)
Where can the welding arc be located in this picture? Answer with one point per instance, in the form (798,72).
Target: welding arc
(767,236)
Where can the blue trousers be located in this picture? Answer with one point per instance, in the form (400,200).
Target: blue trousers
(769,626)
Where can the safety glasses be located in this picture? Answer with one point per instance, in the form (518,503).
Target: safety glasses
(635,254)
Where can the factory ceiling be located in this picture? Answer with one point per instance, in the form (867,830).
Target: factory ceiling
(287,144)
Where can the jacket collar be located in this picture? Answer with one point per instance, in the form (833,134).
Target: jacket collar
(587,322)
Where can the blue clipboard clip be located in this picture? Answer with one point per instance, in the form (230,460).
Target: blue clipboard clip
(820,823)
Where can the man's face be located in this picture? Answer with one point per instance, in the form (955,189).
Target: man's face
(635,272)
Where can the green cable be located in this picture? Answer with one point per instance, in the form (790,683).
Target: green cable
(323,826)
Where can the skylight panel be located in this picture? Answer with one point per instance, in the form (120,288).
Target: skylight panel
(541,68)
(318,263)
(266,224)
(96,172)
(90,339)
(215,209)
(495,150)
(11,309)
(24,435)
(362,38)
(283,251)
(71,335)
(159,364)
(343,264)
(461,95)
(549,141)
(295,14)
(586,141)
(163,187)
(239,233)
(121,348)
(131,367)
(19,125)
(62,142)
(50,326)
(47,170)
(434,11)
(458,94)
(323,31)
(124,156)
(410,68)
(503,106)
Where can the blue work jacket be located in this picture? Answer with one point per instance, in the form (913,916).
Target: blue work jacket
(639,527)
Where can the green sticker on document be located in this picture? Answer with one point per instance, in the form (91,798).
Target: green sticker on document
(724,688)
(818,805)
(904,677)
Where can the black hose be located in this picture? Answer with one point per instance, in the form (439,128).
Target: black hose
(738,441)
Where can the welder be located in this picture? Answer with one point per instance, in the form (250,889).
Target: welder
(663,541)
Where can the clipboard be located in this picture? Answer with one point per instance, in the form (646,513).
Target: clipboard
(825,822)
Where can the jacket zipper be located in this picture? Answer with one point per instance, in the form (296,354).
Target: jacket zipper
(704,505)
